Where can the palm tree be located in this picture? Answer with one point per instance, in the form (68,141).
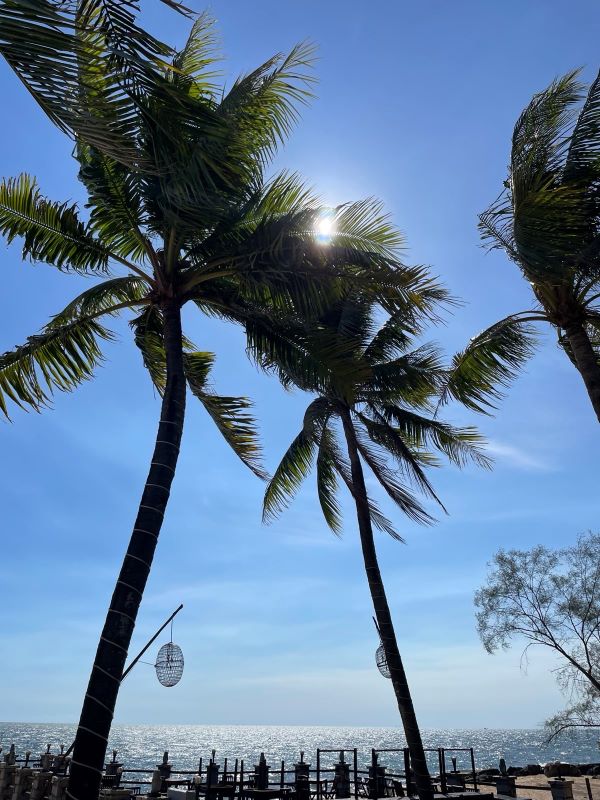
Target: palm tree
(179,212)
(367,377)
(547,220)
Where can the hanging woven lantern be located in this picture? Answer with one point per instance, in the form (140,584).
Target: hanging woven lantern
(169,664)
(381,660)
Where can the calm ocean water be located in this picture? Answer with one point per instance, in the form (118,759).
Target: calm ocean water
(143,745)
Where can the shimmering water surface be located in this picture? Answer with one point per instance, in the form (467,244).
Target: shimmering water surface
(143,745)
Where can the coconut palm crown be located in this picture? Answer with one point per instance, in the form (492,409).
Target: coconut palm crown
(369,376)
(179,211)
(547,220)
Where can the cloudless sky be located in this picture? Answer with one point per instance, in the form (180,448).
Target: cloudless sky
(416,104)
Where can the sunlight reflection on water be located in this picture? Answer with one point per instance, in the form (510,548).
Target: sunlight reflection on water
(143,745)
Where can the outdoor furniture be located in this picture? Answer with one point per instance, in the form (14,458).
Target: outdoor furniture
(108,781)
(249,793)
(179,793)
(219,790)
(455,781)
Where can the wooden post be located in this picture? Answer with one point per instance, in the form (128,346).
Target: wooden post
(282,774)
(318,773)
(355,773)
(373,782)
(589,788)
(473,769)
(442,763)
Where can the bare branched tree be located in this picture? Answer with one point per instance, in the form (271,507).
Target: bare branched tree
(550,598)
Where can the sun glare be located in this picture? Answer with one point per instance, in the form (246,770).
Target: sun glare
(325,228)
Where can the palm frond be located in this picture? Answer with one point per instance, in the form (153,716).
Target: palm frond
(379,520)
(583,155)
(327,484)
(261,108)
(496,226)
(51,232)
(541,136)
(555,232)
(363,226)
(412,378)
(194,66)
(390,341)
(297,460)
(544,219)
(390,439)
(148,335)
(60,357)
(115,203)
(107,297)
(230,414)
(86,64)
(287,478)
(403,498)
(382,523)
(489,363)
(284,192)
(459,445)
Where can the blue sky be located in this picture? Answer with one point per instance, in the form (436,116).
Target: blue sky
(416,104)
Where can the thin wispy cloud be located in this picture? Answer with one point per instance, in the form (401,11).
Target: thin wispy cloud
(519,457)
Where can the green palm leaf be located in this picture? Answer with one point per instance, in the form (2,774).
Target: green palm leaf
(390,440)
(327,484)
(108,297)
(194,66)
(148,334)
(115,203)
(403,498)
(541,136)
(60,50)
(51,232)
(390,341)
(57,358)
(297,460)
(546,220)
(365,227)
(460,445)
(581,162)
(342,468)
(490,362)
(287,478)
(262,107)
(411,378)
(230,414)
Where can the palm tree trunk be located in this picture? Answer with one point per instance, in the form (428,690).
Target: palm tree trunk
(101,696)
(587,362)
(384,618)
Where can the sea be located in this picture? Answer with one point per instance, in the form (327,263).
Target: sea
(143,746)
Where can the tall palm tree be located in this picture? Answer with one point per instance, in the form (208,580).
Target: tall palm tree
(367,377)
(547,220)
(179,212)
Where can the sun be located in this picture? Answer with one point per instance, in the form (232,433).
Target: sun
(325,228)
